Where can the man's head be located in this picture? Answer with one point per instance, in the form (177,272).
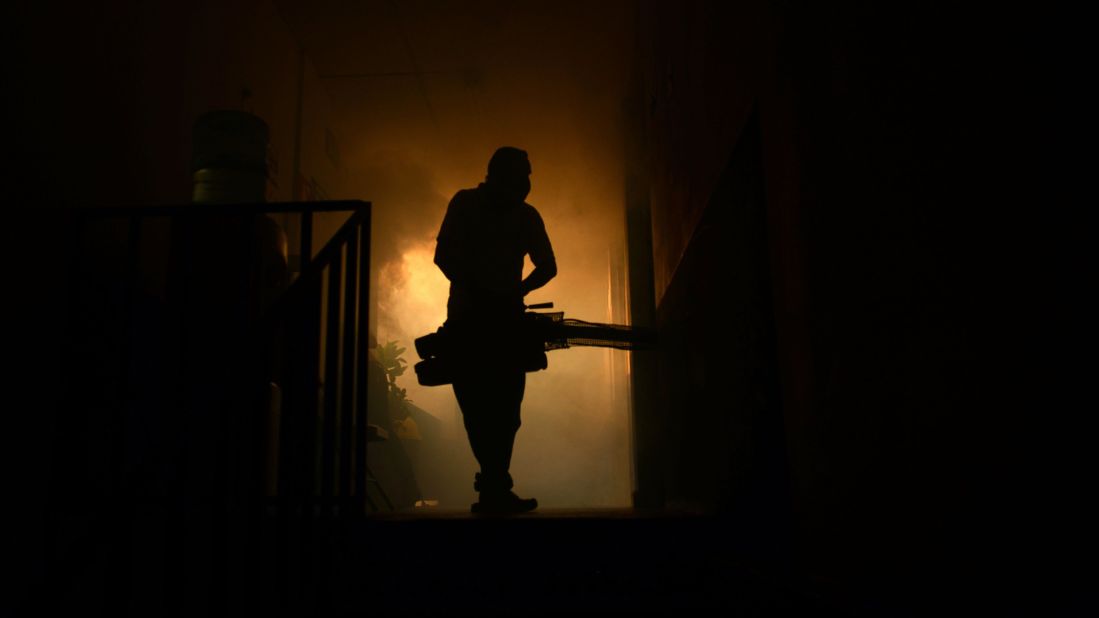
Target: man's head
(509,174)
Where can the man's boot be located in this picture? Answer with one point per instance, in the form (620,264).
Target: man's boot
(503,504)
(497,497)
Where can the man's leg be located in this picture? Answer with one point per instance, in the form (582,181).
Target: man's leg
(491,413)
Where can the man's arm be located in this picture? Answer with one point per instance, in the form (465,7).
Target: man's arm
(541,255)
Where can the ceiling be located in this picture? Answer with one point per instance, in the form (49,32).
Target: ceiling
(453,77)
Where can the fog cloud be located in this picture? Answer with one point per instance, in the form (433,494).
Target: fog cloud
(548,79)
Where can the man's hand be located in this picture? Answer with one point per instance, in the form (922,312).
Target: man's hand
(539,277)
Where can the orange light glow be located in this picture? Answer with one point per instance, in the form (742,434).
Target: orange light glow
(414,292)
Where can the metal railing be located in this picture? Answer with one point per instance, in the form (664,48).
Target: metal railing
(207,396)
(324,320)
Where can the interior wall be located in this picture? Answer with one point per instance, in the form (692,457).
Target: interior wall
(881,141)
(717,372)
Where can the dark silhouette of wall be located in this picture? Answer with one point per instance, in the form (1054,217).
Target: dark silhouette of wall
(886,140)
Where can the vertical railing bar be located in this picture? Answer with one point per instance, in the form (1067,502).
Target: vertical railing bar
(70,422)
(227,423)
(306,244)
(313,341)
(248,464)
(307,415)
(347,378)
(367,231)
(181,286)
(331,379)
(363,330)
(133,251)
(331,412)
(123,503)
(68,419)
(310,415)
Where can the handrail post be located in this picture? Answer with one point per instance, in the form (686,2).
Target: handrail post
(347,378)
(306,243)
(123,500)
(331,379)
(362,327)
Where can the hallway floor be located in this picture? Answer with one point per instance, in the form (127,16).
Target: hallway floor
(554,562)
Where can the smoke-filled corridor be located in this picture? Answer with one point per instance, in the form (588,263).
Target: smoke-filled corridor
(225,218)
(422,103)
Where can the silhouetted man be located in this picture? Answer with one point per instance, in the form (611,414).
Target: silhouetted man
(484,238)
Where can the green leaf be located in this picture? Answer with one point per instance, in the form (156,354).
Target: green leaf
(389,357)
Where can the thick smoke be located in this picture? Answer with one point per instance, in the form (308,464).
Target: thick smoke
(548,81)
(407,201)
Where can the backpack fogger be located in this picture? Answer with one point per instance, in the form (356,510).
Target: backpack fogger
(539,333)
